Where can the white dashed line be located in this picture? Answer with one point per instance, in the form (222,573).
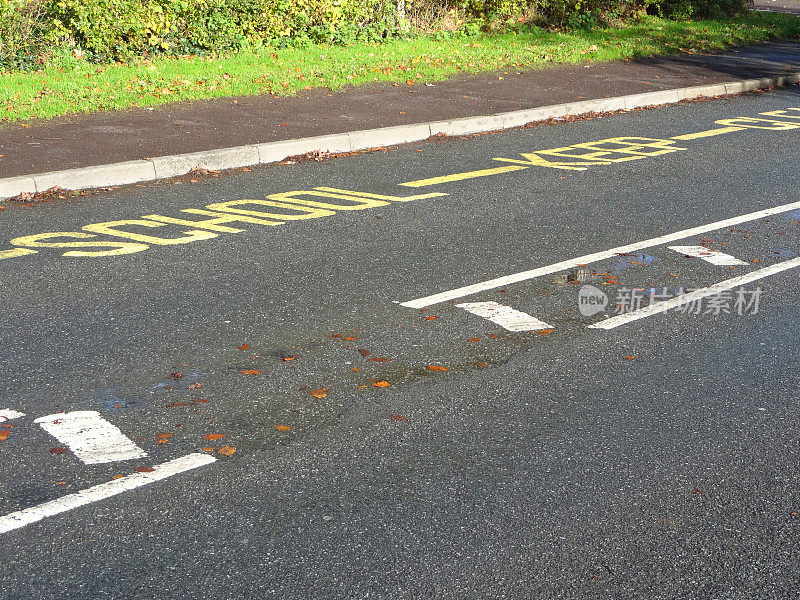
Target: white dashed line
(660,307)
(590,258)
(19,519)
(6,414)
(707,254)
(93,439)
(505,316)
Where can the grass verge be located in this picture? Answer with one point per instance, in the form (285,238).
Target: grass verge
(70,85)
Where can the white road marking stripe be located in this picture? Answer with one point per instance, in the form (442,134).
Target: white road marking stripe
(6,414)
(659,307)
(707,254)
(93,439)
(590,258)
(505,316)
(19,519)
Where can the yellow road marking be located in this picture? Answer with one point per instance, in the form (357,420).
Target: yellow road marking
(706,133)
(460,176)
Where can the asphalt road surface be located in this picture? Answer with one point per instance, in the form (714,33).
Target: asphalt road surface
(559,362)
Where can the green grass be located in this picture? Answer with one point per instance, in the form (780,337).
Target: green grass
(71,85)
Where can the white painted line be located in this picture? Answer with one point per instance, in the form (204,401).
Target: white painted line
(660,307)
(590,258)
(714,257)
(505,316)
(93,439)
(19,519)
(6,414)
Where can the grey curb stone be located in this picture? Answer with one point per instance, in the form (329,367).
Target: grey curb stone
(243,156)
(14,186)
(123,173)
(277,151)
(387,136)
(216,160)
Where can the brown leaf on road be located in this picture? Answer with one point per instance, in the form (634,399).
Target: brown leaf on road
(163,436)
(437,368)
(364,353)
(194,386)
(227,450)
(431,318)
(283,428)
(398,418)
(356,370)
(350,338)
(213,436)
(381,384)
(58,450)
(630,357)
(544,331)
(251,372)
(4,434)
(144,469)
(176,375)
(287,357)
(209,449)
(320,393)
(244,347)
(474,340)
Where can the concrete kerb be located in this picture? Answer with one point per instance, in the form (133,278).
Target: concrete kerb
(163,167)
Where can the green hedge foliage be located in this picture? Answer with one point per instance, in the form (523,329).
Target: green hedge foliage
(108,30)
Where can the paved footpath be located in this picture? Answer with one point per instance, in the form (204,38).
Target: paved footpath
(103,138)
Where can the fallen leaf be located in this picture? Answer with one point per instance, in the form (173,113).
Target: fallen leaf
(398,418)
(480,364)
(201,400)
(350,338)
(431,317)
(162,436)
(144,469)
(251,372)
(58,450)
(227,450)
(283,428)
(176,375)
(356,370)
(4,434)
(474,340)
(118,476)
(364,353)
(244,347)
(437,368)
(160,441)
(544,331)
(381,384)
(194,386)
(213,436)
(288,357)
(320,393)
(630,357)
